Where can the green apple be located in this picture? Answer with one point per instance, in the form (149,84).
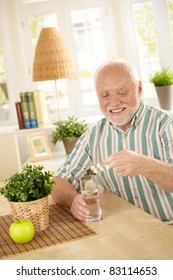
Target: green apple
(22,231)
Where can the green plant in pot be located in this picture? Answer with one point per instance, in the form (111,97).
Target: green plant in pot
(27,193)
(163,82)
(68,131)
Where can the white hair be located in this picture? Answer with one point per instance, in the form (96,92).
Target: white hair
(124,65)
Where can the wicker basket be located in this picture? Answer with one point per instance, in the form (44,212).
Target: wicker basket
(37,211)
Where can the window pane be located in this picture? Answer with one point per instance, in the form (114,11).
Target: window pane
(4,102)
(170,17)
(148,53)
(146,38)
(90,51)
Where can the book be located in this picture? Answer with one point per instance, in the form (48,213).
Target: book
(41,108)
(19,115)
(32,109)
(25,110)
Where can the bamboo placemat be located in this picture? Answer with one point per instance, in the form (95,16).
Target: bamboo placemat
(63,227)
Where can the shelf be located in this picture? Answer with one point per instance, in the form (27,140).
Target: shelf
(51,164)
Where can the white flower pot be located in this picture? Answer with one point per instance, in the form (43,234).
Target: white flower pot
(165,96)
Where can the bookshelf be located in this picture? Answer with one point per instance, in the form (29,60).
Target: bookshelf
(31,110)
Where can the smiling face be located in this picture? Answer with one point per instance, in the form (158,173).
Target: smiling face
(118,94)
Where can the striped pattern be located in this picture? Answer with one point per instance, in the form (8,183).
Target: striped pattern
(151,133)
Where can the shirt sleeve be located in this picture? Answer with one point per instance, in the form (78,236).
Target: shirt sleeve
(78,162)
(167,141)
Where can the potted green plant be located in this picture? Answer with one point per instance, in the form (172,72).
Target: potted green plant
(163,82)
(68,131)
(27,193)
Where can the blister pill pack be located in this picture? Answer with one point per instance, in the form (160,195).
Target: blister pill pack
(95,168)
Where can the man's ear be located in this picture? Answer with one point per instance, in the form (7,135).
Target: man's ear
(140,88)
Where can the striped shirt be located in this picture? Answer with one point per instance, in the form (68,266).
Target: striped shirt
(150,134)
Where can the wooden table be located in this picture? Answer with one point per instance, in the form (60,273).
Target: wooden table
(125,233)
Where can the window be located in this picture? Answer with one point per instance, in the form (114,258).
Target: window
(86,24)
(4,102)
(145,31)
(149,44)
(140,31)
(90,51)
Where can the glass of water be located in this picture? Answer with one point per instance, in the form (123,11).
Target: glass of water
(90,193)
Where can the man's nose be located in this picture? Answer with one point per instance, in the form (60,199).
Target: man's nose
(114,99)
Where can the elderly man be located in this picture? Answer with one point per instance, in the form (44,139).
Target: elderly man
(136,142)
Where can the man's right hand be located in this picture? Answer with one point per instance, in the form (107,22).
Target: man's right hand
(78,208)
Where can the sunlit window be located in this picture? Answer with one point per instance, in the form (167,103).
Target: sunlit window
(147,46)
(94,31)
(148,53)
(90,49)
(170,17)
(4,102)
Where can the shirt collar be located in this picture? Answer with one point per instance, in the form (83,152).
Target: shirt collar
(139,114)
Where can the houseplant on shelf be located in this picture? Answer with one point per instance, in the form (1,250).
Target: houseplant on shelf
(68,131)
(27,193)
(163,82)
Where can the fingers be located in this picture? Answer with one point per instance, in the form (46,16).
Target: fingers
(78,208)
(112,159)
(124,163)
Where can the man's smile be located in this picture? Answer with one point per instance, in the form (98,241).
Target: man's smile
(116,111)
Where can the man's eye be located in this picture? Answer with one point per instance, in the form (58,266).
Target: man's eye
(104,94)
(122,92)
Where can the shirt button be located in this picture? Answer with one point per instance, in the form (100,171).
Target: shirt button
(136,196)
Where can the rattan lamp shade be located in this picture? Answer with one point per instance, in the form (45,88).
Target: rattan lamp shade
(52,60)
